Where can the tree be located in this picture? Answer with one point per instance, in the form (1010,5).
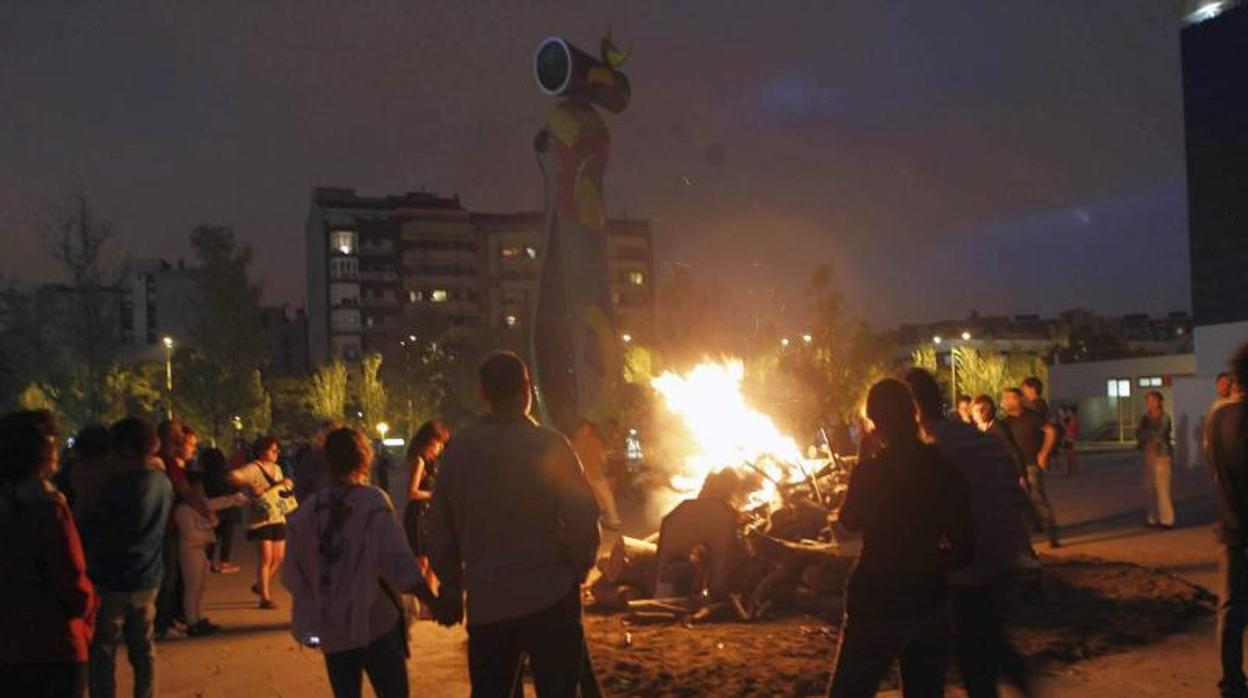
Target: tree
(86,321)
(830,367)
(982,371)
(371,395)
(327,393)
(217,377)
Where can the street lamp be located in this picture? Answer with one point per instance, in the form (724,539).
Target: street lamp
(784,342)
(383,429)
(953,368)
(807,338)
(626,337)
(168,342)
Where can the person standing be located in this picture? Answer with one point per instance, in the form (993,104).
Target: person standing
(514,523)
(1153,438)
(913,509)
(349,563)
(89,456)
(422,455)
(1226,451)
(272,497)
(216,484)
(1035,438)
(981,591)
(124,531)
(1070,434)
(966,409)
(47,603)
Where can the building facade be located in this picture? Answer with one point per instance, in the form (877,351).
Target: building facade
(381,269)
(1215,111)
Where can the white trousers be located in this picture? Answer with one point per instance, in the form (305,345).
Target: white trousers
(194,563)
(1157,489)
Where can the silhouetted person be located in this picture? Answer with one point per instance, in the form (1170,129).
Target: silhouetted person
(88,467)
(514,522)
(1155,439)
(1035,439)
(1226,445)
(913,509)
(982,590)
(124,531)
(47,604)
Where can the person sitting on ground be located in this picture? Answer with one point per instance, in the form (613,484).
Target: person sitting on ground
(514,521)
(124,531)
(349,563)
(913,509)
(47,603)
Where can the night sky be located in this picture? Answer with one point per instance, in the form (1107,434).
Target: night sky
(1006,156)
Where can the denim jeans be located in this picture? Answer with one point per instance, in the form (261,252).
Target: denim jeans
(1042,515)
(1232,617)
(553,639)
(123,616)
(384,660)
(871,641)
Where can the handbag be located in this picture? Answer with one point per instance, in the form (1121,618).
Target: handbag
(273,505)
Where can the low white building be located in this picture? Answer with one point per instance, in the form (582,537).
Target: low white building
(1110,395)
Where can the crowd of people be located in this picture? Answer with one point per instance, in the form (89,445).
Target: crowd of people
(501,526)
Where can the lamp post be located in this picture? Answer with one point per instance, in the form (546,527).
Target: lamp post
(168,342)
(953,366)
(382,430)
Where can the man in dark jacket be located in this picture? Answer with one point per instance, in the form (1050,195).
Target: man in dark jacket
(514,523)
(123,531)
(1226,445)
(1002,546)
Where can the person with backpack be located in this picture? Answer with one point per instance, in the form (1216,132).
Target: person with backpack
(47,603)
(349,562)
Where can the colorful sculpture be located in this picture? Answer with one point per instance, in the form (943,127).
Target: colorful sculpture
(575,348)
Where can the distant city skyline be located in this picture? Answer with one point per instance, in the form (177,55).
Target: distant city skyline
(1006,157)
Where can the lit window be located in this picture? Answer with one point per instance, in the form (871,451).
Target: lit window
(1124,388)
(530,252)
(439,295)
(510,320)
(1155,382)
(636,278)
(512,251)
(343,241)
(1142,382)
(1111,387)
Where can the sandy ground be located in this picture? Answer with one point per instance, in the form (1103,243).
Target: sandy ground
(1100,508)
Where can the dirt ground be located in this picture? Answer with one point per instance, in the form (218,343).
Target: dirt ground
(1077,608)
(1135,626)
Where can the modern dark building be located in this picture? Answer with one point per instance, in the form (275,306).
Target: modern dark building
(1215,103)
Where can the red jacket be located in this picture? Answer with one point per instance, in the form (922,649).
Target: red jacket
(47,604)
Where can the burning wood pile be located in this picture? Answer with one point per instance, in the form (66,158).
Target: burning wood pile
(751,537)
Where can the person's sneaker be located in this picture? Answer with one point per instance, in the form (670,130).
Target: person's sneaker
(169,634)
(202,628)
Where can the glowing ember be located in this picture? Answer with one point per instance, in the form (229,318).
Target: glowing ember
(726,431)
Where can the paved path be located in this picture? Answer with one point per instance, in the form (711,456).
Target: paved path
(1100,509)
